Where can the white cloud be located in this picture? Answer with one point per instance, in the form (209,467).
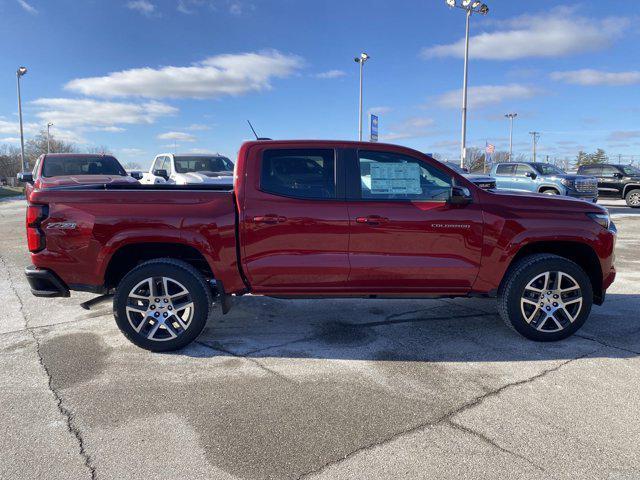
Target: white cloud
(484,95)
(197,127)
(415,127)
(590,77)
(177,137)
(217,76)
(623,135)
(145,7)
(331,74)
(87,113)
(27,7)
(557,33)
(379,110)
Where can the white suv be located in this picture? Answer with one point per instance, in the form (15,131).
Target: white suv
(190,169)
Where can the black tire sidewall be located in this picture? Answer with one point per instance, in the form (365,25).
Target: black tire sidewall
(188,278)
(525,276)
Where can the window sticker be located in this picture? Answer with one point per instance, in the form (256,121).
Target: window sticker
(395,179)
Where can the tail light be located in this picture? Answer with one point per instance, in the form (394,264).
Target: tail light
(35,236)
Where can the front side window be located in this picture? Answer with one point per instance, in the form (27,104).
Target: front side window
(390,176)
(522,170)
(505,170)
(630,170)
(80,165)
(214,163)
(299,173)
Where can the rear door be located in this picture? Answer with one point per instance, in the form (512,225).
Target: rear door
(294,221)
(506,176)
(405,236)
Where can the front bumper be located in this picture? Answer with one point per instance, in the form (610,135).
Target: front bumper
(45,283)
(587,197)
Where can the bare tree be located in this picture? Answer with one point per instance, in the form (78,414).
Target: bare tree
(9,161)
(37,146)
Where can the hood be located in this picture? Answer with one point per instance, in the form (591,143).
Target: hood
(211,178)
(569,176)
(540,201)
(66,180)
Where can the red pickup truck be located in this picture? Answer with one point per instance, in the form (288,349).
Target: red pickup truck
(320,219)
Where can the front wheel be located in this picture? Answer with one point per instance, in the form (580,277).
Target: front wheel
(162,305)
(545,297)
(633,198)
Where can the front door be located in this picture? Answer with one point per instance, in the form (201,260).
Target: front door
(294,224)
(405,235)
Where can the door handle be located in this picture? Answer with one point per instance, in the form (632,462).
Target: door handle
(372,220)
(270,219)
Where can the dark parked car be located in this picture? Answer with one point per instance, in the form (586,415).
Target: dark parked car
(617,181)
(483,181)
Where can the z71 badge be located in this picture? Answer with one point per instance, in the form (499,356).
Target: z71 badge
(63,226)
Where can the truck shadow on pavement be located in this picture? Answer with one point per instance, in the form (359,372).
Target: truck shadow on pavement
(406,331)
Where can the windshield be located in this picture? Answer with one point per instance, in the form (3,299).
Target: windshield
(203,164)
(629,170)
(80,165)
(548,169)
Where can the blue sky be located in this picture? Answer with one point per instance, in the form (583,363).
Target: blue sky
(141,75)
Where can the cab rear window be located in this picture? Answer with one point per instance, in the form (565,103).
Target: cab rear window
(73,165)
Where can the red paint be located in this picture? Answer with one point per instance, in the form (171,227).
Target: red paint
(301,247)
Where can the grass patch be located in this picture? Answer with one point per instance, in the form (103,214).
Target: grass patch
(10,191)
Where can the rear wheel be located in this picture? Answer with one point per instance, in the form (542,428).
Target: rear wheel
(545,297)
(162,305)
(633,198)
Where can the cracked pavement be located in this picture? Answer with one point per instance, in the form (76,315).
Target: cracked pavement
(318,389)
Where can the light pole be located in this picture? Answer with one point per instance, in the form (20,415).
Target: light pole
(534,137)
(49,125)
(361,60)
(511,117)
(19,73)
(470,7)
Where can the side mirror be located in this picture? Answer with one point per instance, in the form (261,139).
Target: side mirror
(531,175)
(25,177)
(460,196)
(618,175)
(161,173)
(137,175)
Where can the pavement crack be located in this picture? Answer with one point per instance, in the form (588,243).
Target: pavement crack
(608,345)
(492,443)
(446,418)
(255,361)
(67,414)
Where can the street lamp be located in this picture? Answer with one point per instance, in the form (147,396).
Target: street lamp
(511,116)
(19,73)
(361,60)
(470,7)
(49,125)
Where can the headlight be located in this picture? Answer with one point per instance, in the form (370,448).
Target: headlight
(568,183)
(603,219)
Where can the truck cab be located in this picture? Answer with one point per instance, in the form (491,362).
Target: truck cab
(190,169)
(543,178)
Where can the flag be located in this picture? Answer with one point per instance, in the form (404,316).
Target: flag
(491,149)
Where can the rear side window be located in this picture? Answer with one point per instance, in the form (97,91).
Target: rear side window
(609,171)
(505,170)
(591,170)
(99,165)
(307,173)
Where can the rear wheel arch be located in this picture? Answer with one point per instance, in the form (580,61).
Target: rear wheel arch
(580,253)
(129,256)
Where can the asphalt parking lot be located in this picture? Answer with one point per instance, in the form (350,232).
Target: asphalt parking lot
(319,389)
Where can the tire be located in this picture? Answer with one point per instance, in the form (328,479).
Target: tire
(173,316)
(534,313)
(550,191)
(633,198)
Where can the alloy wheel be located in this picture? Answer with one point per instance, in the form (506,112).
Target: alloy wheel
(551,301)
(159,308)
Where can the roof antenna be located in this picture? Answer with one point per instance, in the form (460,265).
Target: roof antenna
(255,134)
